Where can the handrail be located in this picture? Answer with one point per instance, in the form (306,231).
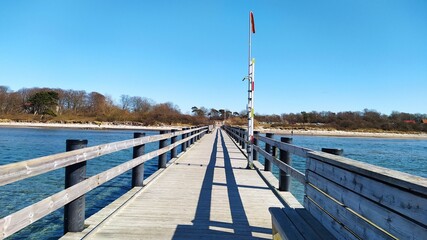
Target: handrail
(238,137)
(296,150)
(24,217)
(289,148)
(365,200)
(403,180)
(299,176)
(21,170)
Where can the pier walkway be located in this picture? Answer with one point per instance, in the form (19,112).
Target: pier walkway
(207,193)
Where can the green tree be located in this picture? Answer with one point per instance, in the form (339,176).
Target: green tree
(43,103)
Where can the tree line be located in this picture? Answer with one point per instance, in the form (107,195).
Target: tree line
(349,120)
(47,104)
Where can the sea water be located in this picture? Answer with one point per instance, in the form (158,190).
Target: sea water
(19,144)
(405,155)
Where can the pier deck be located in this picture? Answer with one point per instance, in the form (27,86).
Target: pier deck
(207,193)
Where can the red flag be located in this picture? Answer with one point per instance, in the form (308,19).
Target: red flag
(252,22)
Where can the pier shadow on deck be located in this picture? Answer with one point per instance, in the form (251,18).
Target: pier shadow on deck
(203,226)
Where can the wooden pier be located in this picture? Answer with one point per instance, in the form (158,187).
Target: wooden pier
(207,194)
(210,191)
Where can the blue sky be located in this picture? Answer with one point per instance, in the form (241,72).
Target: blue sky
(332,55)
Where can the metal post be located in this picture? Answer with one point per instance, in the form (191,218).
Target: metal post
(267,164)
(174,151)
(334,151)
(285,178)
(138,171)
(74,212)
(162,158)
(255,142)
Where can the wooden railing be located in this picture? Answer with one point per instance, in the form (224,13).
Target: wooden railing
(351,199)
(18,171)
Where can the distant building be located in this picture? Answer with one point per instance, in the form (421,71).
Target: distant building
(424,121)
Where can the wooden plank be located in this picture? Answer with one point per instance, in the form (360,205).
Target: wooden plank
(313,223)
(327,221)
(303,226)
(395,224)
(413,206)
(293,149)
(299,176)
(17,171)
(359,226)
(402,180)
(284,226)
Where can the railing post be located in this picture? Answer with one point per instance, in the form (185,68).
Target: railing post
(238,136)
(334,151)
(162,157)
(138,171)
(74,212)
(267,164)
(188,141)
(190,134)
(243,139)
(255,152)
(198,136)
(193,139)
(241,136)
(184,144)
(285,178)
(174,151)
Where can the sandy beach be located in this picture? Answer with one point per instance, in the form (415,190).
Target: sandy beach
(93,126)
(111,126)
(337,133)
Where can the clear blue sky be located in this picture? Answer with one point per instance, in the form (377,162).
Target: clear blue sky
(333,55)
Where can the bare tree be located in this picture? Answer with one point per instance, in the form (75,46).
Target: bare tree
(125,101)
(141,105)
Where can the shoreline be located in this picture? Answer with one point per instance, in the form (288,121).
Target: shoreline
(85,126)
(322,133)
(339,133)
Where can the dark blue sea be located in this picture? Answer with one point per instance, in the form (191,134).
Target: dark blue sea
(18,144)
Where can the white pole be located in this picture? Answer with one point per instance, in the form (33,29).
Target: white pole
(249,138)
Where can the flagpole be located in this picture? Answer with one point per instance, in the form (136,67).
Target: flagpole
(251,65)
